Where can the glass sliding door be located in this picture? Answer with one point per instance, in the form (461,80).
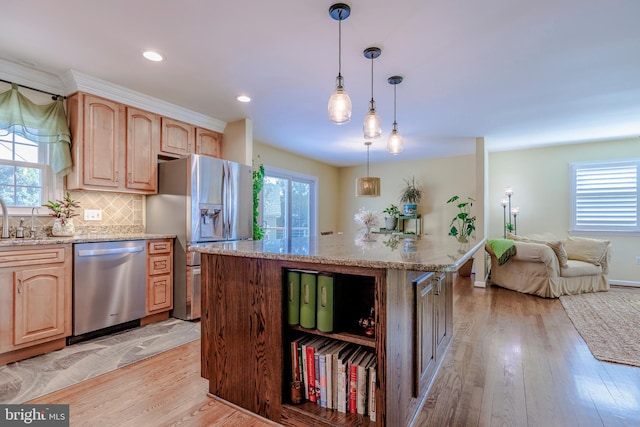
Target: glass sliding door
(288,206)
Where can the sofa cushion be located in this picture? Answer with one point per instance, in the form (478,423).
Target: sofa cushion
(588,250)
(580,268)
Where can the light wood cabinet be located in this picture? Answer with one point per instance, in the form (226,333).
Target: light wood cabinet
(114,147)
(143,134)
(35,300)
(159,276)
(177,138)
(208,143)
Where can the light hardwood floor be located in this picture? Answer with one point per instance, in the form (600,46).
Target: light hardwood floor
(516,360)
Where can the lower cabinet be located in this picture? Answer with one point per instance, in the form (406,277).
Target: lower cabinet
(159,276)
(35,300)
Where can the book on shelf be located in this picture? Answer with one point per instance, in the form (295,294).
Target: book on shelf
(308,296)
(343,377)
(296,351)
(325,302)
(362,383)
(372,389)
(308,367)
(293,297)
(352,371)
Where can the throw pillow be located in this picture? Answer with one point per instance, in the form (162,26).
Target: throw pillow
(561,253)
(588,250)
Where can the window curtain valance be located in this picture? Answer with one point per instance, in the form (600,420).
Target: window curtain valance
(44,124)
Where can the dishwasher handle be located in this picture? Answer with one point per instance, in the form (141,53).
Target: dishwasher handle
(98,252)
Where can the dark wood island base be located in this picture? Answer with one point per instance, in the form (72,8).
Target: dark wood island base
(246,335)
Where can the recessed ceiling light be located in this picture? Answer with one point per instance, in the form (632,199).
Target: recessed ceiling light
(243,98)
(153,56)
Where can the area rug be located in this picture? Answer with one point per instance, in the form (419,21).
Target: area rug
(609,324)
(25,380)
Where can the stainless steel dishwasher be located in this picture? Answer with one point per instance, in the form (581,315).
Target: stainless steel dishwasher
(109,284)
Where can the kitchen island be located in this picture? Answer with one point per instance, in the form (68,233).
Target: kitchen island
(403,283)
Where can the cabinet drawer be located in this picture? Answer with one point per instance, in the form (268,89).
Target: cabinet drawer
(159,264)
(159,247)
(31,256)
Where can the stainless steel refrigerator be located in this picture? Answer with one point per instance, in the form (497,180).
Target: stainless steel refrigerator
(200,199)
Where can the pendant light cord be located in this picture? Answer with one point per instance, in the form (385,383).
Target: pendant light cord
(372,80)
(395,124)
(340,46)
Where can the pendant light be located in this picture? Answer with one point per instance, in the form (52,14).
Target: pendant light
(372,125)
(394,145)
(368,186)
(339,107)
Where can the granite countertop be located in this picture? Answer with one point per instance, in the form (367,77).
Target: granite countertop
(83,238)
(423,253)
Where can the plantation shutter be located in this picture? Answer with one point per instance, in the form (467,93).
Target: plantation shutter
(606,196)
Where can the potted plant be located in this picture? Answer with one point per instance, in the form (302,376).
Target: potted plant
(463,224)
(63,211)
(410,196)
(391,220)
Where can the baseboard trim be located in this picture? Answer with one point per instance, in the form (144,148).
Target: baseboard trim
(624,283)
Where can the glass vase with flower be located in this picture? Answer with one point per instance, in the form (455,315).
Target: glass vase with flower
(64,212)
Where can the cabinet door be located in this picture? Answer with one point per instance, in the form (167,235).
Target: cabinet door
(143,136)
(177,138)
(424,342)
(159,293)
(208,143)
(39,307)
(101,139)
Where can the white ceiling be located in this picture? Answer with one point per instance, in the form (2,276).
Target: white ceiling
(517,72)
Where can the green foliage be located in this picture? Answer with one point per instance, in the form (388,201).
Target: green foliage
(411,193)
(509,227)
(63,209)
(392,210)
(463,224)
(258,182)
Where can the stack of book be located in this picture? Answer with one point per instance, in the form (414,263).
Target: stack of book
(310,298)
(336,375)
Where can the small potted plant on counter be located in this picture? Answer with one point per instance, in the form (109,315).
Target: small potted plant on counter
(410,196)
(64,212)
(391,220)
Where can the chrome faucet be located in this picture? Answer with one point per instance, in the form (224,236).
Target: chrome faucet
(33,229)
(5,220)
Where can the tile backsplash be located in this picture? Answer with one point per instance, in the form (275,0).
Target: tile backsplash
(121,213)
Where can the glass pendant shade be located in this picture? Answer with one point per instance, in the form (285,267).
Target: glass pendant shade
(394,144)
(339,107)
(372,125)
(368,187)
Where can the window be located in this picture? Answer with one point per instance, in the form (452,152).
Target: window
(26,180)
(288,205)
(605,196)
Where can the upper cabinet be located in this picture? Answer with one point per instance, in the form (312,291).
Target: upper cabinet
(208,142)
(143,134)
(114,147)
(179,139)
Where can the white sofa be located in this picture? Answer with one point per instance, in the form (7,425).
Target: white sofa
(548,267)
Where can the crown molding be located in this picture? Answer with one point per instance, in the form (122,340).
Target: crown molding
(72,81)
(77,81)
(22,75)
